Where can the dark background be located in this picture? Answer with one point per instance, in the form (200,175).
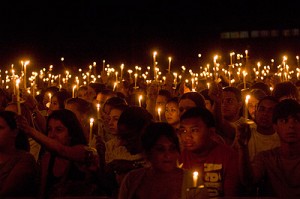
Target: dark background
(128,32)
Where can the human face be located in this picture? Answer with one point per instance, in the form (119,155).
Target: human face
(161,102)
(186,104)
(208,105)
(164,155)
(194,134)
(54,104)
(91,94)
(264,113)
(83,94)
(114,116)
(7,135)
(59,132)
(172,113)
(288,129)
(230,106)
(252,104)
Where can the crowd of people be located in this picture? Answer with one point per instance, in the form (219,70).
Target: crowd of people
(131,150)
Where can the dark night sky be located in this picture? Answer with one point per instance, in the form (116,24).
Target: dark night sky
(86,31)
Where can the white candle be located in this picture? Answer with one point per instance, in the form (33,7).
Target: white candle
(246,106)
(91,131)
(98,111)
(73,91)
(170,59)
(122,67)
(135,80)
(244,79)
(159,114)
(18,96)
(154,64)
(140,100)
(195,179)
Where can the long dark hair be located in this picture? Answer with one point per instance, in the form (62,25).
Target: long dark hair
(21,141)
(70,121)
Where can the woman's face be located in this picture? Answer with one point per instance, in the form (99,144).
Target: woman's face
(164,155)
(59,132)
(54,105)
(172,113)
(114,116)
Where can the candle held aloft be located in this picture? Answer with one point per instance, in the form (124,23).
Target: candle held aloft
(18,96)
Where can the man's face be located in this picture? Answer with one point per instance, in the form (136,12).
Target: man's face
(264,113)
(230,106)
(194,134)
(288,129)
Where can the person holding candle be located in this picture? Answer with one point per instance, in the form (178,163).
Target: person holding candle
(58,100)
(160,102)
(215,162)
(276,171)
(172,112)
(162,178)
(227,110)
(68,167)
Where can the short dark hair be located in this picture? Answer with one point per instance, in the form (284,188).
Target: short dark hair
(196,97)
(270,98)
(198,112)
(285,89)
(237,92)
(156,130)
(286,108)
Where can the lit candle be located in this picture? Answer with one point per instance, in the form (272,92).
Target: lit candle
(73,91)
(246,107)
(140,100)
(170,59)
(159,114)
(195,178)
(135,80)
(215,67)
(98,111)
(122,67)
(244,79)
(18,96)
(154,64)
(103,65)
(91,131)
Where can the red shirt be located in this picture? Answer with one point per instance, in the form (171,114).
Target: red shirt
(218,169)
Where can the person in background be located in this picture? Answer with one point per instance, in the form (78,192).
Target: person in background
(172,112)
(83,111)
(285,90)
(255,96)
(216,163)
(162,179)
(227,110)
(58,100)
(93,90)
(82,92)
(131,123)
(208,101)
(189,100)
(276,171)
(161,99)
(18,168)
